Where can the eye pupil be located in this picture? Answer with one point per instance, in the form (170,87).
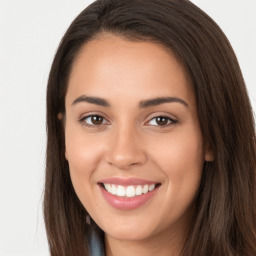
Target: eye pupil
(161,120)
(97,120)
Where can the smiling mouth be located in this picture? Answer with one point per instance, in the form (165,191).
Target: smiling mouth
(129,191)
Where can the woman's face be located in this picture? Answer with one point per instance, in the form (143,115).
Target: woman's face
(133,140)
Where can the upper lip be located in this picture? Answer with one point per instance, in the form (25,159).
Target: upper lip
(127,181)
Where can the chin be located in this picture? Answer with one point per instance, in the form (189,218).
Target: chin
(128,236)
(129,232)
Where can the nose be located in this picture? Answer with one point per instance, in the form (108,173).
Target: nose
(125,149)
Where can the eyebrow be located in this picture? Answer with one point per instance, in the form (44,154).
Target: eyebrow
(92,100)
(142,104)
(161,100)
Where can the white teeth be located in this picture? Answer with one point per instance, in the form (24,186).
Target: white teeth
(145,189)
(151,187)
(113,190)
(120,191)
(129,191)
(139,190)
(108,187)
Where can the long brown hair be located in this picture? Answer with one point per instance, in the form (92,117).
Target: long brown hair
(225,209)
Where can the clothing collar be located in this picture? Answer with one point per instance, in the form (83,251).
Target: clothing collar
(95,244)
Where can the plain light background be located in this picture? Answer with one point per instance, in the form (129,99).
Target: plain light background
(30,31)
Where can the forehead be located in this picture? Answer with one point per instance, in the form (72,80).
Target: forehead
(111,66)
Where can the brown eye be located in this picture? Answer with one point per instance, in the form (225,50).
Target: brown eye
(93,120)
(97,120)
(161,120)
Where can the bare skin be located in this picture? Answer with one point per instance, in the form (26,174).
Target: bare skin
(124,135)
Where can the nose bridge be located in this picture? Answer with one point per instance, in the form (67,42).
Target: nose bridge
(125,149)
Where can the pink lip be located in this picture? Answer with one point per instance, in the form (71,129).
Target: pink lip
(127,181)
(127,203)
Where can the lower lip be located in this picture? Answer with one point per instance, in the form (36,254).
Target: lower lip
(127,203)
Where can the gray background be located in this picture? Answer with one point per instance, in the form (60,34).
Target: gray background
(30,31)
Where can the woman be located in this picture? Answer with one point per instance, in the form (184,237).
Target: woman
(151,139)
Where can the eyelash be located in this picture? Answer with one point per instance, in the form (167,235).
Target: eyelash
(82,120)
(170,121)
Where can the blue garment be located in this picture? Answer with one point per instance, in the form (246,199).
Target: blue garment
(96,246)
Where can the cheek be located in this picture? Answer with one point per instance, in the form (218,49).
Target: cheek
(178,152)
(83,151)
(185,156)
(180,158)
(83,155)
